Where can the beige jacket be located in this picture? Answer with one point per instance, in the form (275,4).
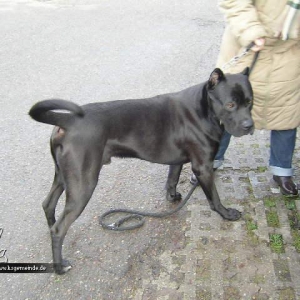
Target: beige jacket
(276,75)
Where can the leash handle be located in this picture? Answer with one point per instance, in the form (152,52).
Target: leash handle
(248,48)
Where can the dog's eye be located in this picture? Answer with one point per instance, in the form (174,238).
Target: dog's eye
(230,105)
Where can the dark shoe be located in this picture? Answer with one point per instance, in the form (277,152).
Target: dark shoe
(287,186)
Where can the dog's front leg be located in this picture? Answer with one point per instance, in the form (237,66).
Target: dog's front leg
(173,178)
(205,177)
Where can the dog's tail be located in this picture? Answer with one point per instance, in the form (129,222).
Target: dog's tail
(42,112)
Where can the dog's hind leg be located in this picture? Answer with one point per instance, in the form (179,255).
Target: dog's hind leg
(76,200)
(50,202)
(173,178)
(80,172)
(206,179)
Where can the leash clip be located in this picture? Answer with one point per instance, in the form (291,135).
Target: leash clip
(236,58)
(112,226)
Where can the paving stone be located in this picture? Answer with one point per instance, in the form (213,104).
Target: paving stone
(227,260)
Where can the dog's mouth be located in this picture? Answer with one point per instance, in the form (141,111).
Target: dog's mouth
(241,131)
(251,131)
(248,127)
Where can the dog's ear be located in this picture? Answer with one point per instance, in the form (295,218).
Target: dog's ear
(215,77)
(246,71)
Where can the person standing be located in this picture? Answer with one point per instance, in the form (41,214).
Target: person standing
(275,30)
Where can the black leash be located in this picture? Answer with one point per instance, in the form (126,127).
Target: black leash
(256,54)
(138,215)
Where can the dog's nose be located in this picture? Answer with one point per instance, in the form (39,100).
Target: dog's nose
(247,124)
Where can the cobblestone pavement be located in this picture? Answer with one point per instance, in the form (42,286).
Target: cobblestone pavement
(254,258)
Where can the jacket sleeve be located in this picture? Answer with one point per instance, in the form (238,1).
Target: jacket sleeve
(243,20)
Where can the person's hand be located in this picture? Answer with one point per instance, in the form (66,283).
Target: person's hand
(259,44)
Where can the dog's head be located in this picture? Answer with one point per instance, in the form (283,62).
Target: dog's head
(231,99)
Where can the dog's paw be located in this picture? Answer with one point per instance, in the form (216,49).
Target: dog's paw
(174,198)
(232,214)
(62,268)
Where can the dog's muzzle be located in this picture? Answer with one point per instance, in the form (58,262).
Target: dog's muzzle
(248,126)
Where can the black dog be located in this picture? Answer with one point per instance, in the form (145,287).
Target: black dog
(171,129)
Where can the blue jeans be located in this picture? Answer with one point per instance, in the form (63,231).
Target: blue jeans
(281,151)
(219,158)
